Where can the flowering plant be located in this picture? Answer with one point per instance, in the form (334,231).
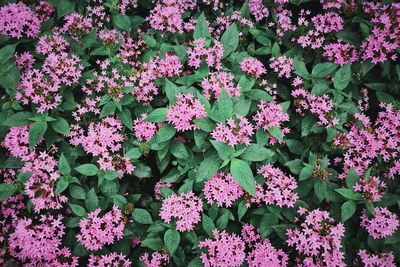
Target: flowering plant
(199,133)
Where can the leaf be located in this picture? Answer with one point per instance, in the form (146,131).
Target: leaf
(224,150)
(87,169)
(230,39)
(107,109)
(122,22)
(149,40)
(64,7)
(10,79)
(255,152)
(301,69)
(205,124)
(201,30)
(295,146)
(306,172)
(267,221)
(165,133)
(179,150)
(63,165)
(225,105)
(158,115)
(62,184)
(243,175)
(321,70)
(276,132)
(207,169)
(172,238)
(77,192)
(171,90)
(91,201)
(152,243)
(36,132)
(348,209)
(60,126)
(342,77)
(295,166)
(320,189)
(142,216)
(348,193)
(208,224)
(134,153)
(351,178)
(126,118)
(6,53)
(18,119)
(6,191)
(78,210)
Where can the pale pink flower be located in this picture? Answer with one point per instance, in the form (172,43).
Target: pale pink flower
(236,131)
(382,225)
(222,189)
(252,67)
(213,84)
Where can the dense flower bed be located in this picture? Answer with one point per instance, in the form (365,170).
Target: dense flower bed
(199,133)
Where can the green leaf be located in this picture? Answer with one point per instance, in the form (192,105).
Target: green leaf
(179,150)
(230,39)
(306,172)
(64,7)
(78,210)
(62,184)
(172,238)
(158,115)
(205,124)
(63,165)
(351,178)
(122,22)
(6,191)
(243,175)
(255,152)
(165,133)
(133,153)
(342,77)
(91,201)
(208,224)
(276,132)
(295,146)
(295,166)
(142,216)
(6,53)
(242,209)
(348,193)
(267,221)
(10,79)
(301,69)
(107,109)
(201,30)
(320,189)
(87,169)
(36,132)
(126,118)
(77,192)
(348,209)
(224,150)
(321,70)
(207,169)
(18,119)
(60,126)
(225,105)
(149,40)
(171,90)
(152,243)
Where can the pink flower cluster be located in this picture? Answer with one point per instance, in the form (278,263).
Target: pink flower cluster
(62,68)
(258,10)
(157,189)
(321,106)
(382,225)
(157,259)
(282,65)
(77,26)
(18,20)
(104,140)
(370,188)
(213,84)
(222,189)
(44,10)
(318,240)
(236,131)
(108,260)
(376,260)
(224,250)
(144,130)
(278,188)
(166,17)
(340,53)
(328,22)
(270,114)
(252,67)
(262,253)
(38,243)
(186,109)
(212,55)
(185,207)
(96,232)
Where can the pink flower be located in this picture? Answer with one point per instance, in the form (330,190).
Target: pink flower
(44,10)
(370,188)
(144,130)
(212,55)
(265,255)
(235,132)
(340,53)
(77,26)
(382,225)
(18,20)
(278,188)
(97,232)
(328,22)
(223,250)
(185,208)
(258,10)
(169,66)
(166,18)
(252,67)
(16,141)
(318,240)
(222,189)
(212,85)
(54,43)
(111,259)
(282,65)
(157,259)
(157,189)
(12,208)
(376,260)
(24,61)
(184,111)
(63,68)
